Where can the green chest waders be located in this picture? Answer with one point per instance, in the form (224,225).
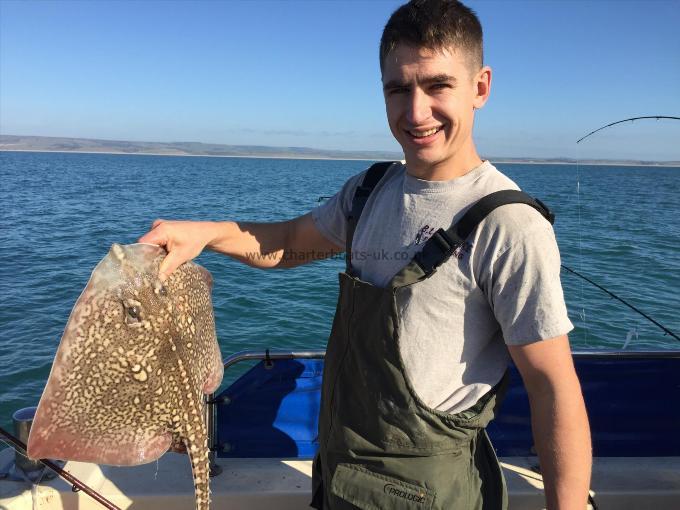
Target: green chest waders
(380,446)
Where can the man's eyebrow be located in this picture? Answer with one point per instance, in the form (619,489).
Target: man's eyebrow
(438,78)
(426,80)
(394,84)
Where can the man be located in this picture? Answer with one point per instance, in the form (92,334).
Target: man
(420,343)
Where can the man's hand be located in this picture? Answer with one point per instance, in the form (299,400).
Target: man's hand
(183,240)
(558,419)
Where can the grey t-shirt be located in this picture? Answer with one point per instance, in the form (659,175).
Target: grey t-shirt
(503,286)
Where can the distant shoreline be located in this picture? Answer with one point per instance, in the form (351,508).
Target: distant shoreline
(329,158)
(322,158)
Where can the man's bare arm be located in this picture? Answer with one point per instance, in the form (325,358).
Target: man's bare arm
(558,419)
(274,245)
(264,245)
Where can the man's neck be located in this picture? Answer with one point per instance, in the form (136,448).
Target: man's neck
(445,170)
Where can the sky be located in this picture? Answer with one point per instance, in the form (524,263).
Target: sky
(306,74)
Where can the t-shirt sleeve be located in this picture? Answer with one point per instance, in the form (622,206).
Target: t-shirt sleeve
(525,290)
(331,216)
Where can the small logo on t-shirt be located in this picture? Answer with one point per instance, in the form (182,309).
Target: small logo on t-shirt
(424,234)
(462,250)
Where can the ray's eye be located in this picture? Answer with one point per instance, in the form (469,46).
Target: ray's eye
(133,312)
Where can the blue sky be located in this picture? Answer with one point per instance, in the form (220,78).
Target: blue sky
(305,73)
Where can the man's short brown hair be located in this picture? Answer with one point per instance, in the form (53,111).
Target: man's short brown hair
(435,25)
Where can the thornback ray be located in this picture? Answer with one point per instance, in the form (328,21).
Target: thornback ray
(135,360)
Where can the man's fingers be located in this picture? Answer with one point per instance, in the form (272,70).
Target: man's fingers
(169,264)
(165,234)
(154,237)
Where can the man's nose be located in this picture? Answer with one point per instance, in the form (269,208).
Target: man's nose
(419,108)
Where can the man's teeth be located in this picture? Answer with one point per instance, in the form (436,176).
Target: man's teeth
(422,134)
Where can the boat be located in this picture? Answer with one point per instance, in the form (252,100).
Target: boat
(263,436)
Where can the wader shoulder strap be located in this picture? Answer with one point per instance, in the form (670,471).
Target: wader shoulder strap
(444,243)
(371,179)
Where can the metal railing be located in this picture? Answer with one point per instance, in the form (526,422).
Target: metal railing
(269,357)
(675,353)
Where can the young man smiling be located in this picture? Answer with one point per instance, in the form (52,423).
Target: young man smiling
(430,97)
(420,343)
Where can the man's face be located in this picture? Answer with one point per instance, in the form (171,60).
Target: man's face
(430,98)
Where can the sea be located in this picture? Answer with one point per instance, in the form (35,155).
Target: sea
(619,226)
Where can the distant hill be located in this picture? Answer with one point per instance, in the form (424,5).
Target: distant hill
(57,144)
(54,144)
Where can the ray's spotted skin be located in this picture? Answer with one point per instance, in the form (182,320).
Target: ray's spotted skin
(135,360)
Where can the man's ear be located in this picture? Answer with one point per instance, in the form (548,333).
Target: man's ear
(482,84)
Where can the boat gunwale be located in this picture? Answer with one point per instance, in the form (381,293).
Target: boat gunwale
(279,354)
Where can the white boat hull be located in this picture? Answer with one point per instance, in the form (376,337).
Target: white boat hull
(619,483)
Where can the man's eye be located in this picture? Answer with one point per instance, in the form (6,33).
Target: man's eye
(440,86)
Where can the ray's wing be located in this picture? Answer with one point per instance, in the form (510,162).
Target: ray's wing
(108,398)
(200,348)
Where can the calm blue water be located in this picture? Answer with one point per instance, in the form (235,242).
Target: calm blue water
(61,212)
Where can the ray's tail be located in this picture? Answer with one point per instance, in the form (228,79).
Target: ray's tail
(196,442)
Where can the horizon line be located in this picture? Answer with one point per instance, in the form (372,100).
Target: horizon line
(359,154)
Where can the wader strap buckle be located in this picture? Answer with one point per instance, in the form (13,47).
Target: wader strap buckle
(437,250)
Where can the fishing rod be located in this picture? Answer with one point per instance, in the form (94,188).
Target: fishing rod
(657,117)
(656,323)
(664,328)
(77,485)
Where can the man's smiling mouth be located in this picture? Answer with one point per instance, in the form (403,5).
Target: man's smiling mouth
(420,133)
